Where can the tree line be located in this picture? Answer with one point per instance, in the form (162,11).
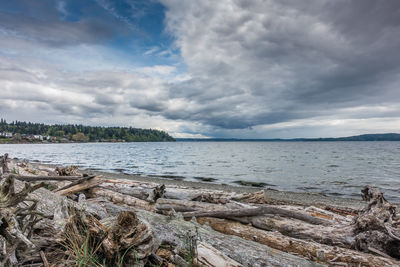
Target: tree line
(85,133)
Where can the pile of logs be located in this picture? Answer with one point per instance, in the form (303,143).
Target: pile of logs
(129,223)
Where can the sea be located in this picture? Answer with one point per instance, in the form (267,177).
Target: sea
(338,169)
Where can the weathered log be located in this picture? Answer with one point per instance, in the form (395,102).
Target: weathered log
(375,226)
(84,185)
(258,212)
(202,195)
(46,178)
(4,164)
(208,256)
(85,178)
(170,230)
(125,240)
(329,215)
(164,204)
(44,259)
(150,194)
(308,249)
(336,235)
(16,223)
(342,206)
(119,198)
(67,171)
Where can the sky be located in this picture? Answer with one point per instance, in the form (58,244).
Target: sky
(204,68)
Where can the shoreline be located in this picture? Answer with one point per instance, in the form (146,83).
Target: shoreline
(273,195)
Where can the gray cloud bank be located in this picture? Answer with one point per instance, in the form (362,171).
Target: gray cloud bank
(254,68)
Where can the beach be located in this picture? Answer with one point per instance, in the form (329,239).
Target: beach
(226,225)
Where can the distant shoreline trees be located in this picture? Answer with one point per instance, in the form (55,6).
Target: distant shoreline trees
(81,133)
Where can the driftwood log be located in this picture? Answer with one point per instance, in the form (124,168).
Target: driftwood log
(123,241)
(47,178)
(171,230)
(258,211)
(82,185)
(376,227)
(150,194)
(308,249)
(119,198)
(16,222)
(4,164)
(207,255)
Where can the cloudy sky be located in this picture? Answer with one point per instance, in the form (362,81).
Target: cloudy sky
(226,68)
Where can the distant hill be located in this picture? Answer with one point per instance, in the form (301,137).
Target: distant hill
(80,133)
(363,137)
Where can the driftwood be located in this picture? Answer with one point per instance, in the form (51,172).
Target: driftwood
(257,212)
(376,227)
(16,227)
(201,195)
(335,235)
(4,164)
(208,256)
(313,232)
(171,230)
(67,171)
(308,249)
(164,204)
(119,198)
(83,185)
(46,178)
(289,222)
(85,178)
(125,240)
(150,194)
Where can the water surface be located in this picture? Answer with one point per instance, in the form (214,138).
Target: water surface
(333,168)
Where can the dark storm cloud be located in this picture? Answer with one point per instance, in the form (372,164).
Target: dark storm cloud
(284,60)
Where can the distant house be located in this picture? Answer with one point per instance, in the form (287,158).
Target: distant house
(6,134)
(38,137)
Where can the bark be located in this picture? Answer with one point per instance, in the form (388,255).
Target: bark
(308,249)
(119,198)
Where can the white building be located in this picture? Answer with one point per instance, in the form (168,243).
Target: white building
(5,134)
(38,137)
